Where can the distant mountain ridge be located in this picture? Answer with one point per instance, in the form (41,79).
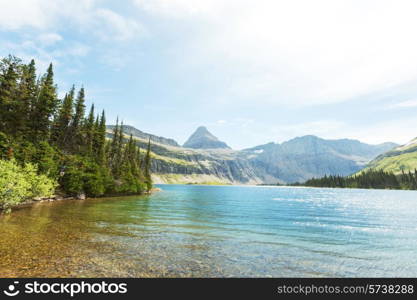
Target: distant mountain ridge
(205,159)
(309,156)
(127,129)
(203,139)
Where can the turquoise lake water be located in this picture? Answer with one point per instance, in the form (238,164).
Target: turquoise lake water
(220,231)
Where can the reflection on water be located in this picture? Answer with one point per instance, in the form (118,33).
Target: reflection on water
(216,231)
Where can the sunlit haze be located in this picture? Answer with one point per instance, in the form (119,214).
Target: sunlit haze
(252,72)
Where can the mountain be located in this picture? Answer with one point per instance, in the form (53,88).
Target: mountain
(203,139)
(309,156)
(213,162)
(127,129)
(401,158)
(175,164)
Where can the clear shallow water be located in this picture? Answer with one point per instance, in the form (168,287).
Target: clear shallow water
(217,231)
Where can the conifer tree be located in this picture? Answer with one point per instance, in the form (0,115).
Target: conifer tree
(101,139)
(89,131)
(76,134)
(8,85)
(61,126)
(120,140)
(45,105)
(138,163)
(95,137)
(147,171)
(118,157)
(26,96)
(113,146)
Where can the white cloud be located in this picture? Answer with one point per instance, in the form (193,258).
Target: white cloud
(41,28)
(83,15)
(403,104)
(114,60)
(117,27)
(398,131)
(180,8)
(41,14)
(20,13)
(48,39)
(32,49)
(76,49)
(297,52)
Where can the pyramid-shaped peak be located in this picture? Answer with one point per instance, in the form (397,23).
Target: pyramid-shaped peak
(202,129)
(203,139)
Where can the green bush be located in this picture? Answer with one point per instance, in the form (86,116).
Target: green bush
(25,152)
(95,179)
(4,146)
(47,159)
(82,175)
(20,183)
(72,181)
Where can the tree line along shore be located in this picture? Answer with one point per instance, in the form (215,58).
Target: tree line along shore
(367,179)
(51,146)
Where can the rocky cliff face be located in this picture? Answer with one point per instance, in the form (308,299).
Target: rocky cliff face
(212,161)
(306,157)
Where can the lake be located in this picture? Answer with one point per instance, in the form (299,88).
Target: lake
(216,231)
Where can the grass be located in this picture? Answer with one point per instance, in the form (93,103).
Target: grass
(396,164)
(202,179)
(173,160)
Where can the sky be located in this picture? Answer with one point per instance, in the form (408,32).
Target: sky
(252,72)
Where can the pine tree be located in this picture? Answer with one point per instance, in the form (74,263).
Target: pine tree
(26,97)
(113,147)
(89,131)
(147,171)
(95,137)
(101,139)
(138,163)
(120,140)
(45,105)
(8,87)
(118,157)
(61,127)
(127,156)
(76,134)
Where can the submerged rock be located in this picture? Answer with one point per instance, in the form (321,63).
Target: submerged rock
(81,196)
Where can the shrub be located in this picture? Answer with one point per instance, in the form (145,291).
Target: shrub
(72,181)
(47,159)
(82,175)
(95,180)
(19,183)
(5,147)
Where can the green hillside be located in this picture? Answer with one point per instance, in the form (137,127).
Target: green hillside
(402,158)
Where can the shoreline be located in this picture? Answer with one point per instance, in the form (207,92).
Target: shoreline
(286,186)
(31,202)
